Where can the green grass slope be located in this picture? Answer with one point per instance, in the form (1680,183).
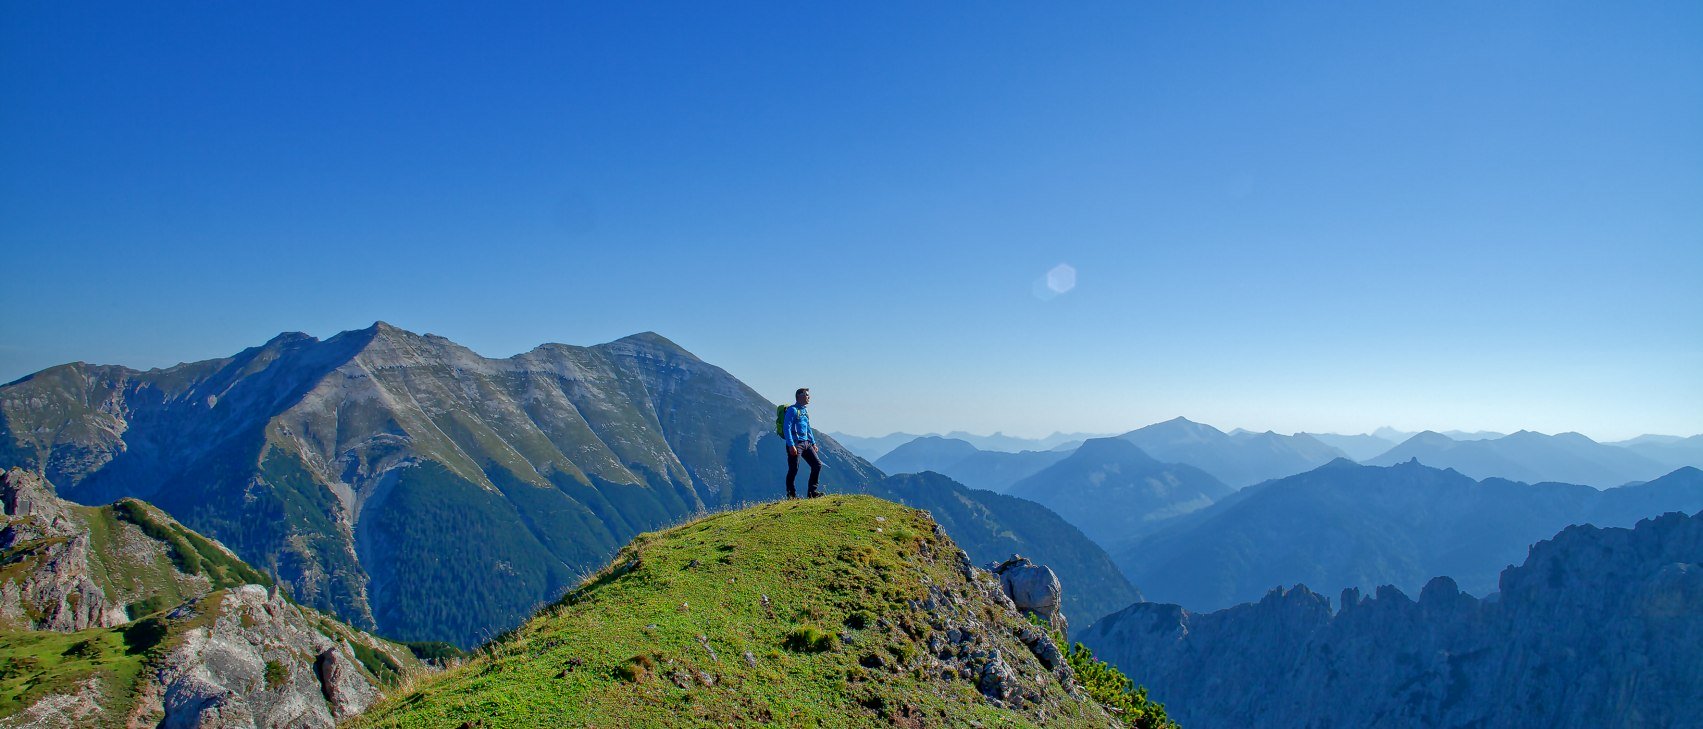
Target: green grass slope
(37,664)
(840,611)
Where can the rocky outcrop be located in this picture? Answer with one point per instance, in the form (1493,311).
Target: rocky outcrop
(76,709)
(241,656)
(1034,589)
(1599,628)
(247,659)
(968,645)
(46,578)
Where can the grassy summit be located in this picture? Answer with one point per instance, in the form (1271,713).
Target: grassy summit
(840,611)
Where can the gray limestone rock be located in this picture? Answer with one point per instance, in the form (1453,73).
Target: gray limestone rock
(258,663)
(56,589)
(1034,589)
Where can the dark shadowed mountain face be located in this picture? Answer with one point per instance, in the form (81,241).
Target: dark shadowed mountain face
(1598,627)
(1530,457)
(1112,490)
(991,527)
(1345,525)
(403,481)
(1239,460)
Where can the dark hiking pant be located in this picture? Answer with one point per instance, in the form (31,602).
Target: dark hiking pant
(809,454)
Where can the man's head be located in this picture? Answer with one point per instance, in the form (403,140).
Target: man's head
(802,396)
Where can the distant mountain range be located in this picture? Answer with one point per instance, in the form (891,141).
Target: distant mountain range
(1396,436)
(873,448)
(1112,490)
(1236,457)
(1668,450)
(1597,628)
(1531,457)
(967,464)
(1346,525)
(1356,447)
(1238,460)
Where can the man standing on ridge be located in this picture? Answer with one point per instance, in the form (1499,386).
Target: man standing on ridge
(800,441)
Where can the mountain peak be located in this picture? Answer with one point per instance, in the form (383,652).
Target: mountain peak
(289,338)
(1430,437)
(1106,449)
(653,342)
(1339,463)
(384,327)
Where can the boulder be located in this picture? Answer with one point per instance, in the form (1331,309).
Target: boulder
(1034,588)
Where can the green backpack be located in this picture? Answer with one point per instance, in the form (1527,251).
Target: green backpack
(780,420)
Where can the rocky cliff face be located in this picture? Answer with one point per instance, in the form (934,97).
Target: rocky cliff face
(242,658)
(118,615)
(66,567)
(1599,628)
(402,481)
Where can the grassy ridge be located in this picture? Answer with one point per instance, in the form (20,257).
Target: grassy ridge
(190,552)
(794,613)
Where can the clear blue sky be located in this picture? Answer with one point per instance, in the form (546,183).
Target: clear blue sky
(1281,215)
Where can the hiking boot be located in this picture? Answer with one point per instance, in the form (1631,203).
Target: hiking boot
(813,493)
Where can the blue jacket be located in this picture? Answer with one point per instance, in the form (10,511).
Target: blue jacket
(796,428)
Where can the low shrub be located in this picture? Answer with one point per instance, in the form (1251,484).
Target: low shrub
(810,639)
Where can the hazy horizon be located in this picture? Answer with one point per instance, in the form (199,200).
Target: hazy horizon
(1294,217)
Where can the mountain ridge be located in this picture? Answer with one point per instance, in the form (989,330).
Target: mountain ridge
(1595,627)
(1349,525)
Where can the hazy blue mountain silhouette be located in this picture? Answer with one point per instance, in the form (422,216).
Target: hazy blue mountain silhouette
(928,453)
(1239,460)
(966,464)
(1013,444)
(1356,447)
(1346,525)
(1670,451)
(1528,456)
(1111,490)
(871,448)
(874,448)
